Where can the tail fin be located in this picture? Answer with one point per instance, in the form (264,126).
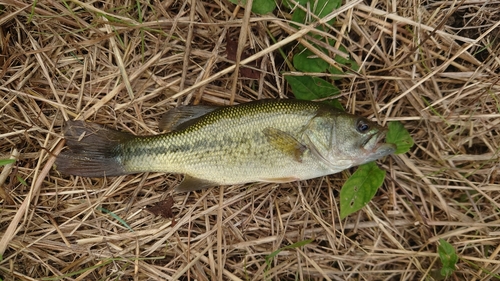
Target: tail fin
(93,150)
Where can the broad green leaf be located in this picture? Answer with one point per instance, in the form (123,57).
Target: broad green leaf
(325,7)
(301,2)
(360,188)
(335,71)
(263,7)
(4,162)
(260,7)
(347,62)
(320,8)
(448,257)
(335,103)
(399,136)
(287,4)
(352,64)
(313,88)
(307,61)
(299,15)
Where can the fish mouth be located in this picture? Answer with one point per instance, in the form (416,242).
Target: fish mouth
(376,148)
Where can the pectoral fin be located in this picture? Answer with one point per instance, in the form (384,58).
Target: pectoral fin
(285,142)
(181,117)
(192,184)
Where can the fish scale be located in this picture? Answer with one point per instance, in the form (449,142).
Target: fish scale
(266,141)
(221,136)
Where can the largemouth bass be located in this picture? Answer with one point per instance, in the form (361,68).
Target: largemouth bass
(262,141)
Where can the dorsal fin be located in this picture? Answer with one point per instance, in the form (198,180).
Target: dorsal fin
(181,117)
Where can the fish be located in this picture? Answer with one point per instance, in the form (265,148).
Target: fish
(273,140)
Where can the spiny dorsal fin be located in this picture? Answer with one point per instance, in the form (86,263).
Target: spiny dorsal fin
(181,117)
(285,142)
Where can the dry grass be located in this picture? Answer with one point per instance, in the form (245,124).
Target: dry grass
(432,65)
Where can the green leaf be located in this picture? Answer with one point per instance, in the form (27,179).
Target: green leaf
(320,8)
(298,15)
(4,162)
(263,7)
(116,217)
(307,61)
(260,7)
(21,180)
(335,103)
(347,62)
(335,71)
(350,63)
(325,7)
(312,88)
(399,136)
(448,257)
(292,246)
(360,188)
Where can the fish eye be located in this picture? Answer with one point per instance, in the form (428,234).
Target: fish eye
(362,126)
